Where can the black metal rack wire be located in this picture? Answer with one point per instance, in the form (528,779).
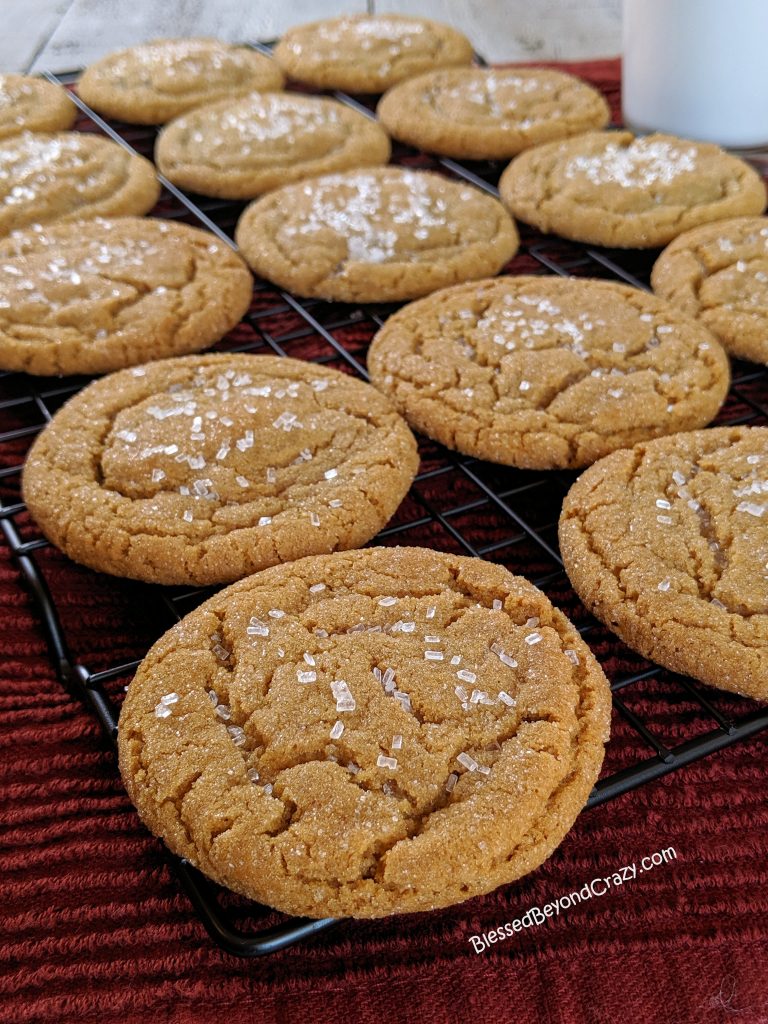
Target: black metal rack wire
(457,503)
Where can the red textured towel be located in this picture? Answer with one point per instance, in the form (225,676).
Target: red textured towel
(94,926)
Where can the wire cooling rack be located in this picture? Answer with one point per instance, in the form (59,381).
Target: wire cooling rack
(456,503)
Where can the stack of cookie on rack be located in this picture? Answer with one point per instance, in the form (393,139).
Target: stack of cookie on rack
(365,732)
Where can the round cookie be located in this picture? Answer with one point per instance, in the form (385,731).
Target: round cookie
(33,104)
(95,296)
(667,544)
(151,83)
(547,372)
(68,176)
(375,236)
(489,113)
(376,732)
(719,273)
(237,150)
(203,469)
(610,188)
(369,53)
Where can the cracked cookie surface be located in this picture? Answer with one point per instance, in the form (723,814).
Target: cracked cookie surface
(237,150)
(489,114)
(719,274)
(375,235)
(29,104)
(667,544)
(366,733)
(151,83)
(547,372)
(101,295)
(202,469)
(364,53)
(68,176)
(610,188)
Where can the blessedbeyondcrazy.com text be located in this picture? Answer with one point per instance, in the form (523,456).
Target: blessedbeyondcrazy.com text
(599,886)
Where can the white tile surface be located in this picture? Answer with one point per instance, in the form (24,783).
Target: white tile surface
(91,28)
(60,35)
(28,25)
(512,30)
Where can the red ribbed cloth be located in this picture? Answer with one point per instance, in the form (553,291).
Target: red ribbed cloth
(95,927)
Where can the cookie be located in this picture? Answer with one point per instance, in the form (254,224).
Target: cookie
(719,273)
(237,150)
(68,176)
(366,733)
(489,114)
(382,235)
(203,469)
(98,296)
(151,83)
(369,53)
(667,544)
(547,372)
(610,188)
(33,104)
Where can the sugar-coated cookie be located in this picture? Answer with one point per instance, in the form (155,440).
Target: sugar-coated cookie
(153,82)
(375,235)
(34,105)
(667,544)
(369,53)
(94,296)
(490,113)
(547,372)
(68,176)
(611,188)
(203,469)
(366,733)
(239,149)
(719,273)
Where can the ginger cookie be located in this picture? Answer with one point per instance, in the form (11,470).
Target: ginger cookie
(366,733)
(490,114)
(547,372)
(667,544)
(610,188)
(203,469)
(719,273)
(369,53)
(237,150)
(68,176)
(33,104)
(95,296)
(380,235)
(151,83)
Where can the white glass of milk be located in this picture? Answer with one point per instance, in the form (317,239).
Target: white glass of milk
(698,69)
